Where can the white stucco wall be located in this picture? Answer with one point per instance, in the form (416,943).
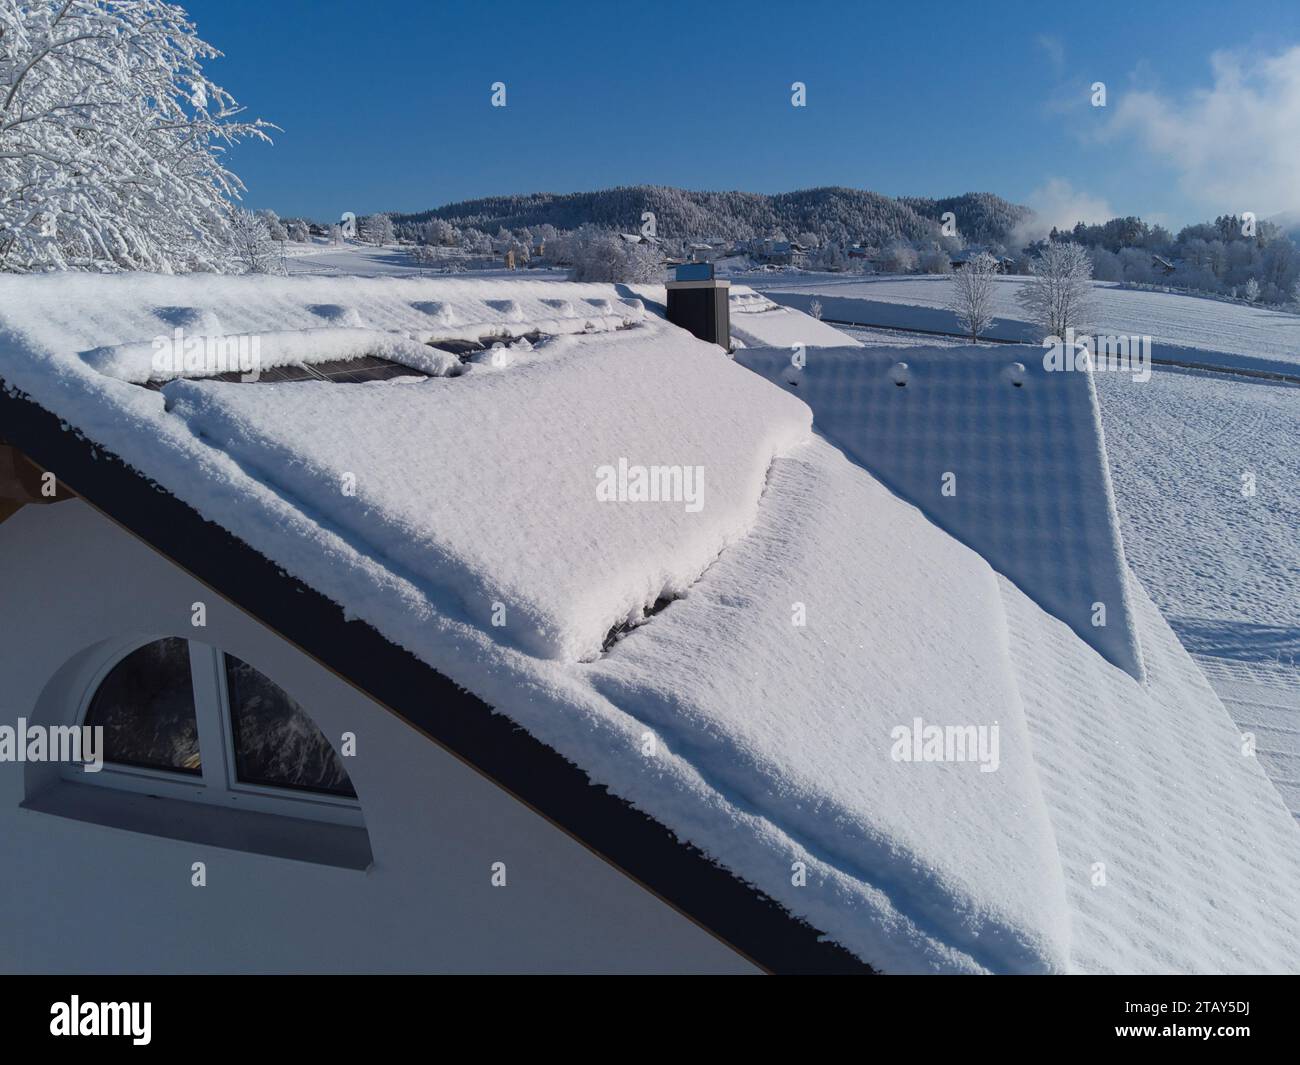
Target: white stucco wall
(82,897)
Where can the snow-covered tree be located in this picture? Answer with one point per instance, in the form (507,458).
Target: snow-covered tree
(252,249)
(602,255)
(376,229)
(935,261)
(111,139)
(900,258)
(1058,294)
(1135,265)
(299,233)
(815,308)
(476,241)
(438,232)
(1105,265)
(831,257)
(1251,291)
(971,295)
(274,226)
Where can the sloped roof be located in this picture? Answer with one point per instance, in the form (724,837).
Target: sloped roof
(809,613)
(1030,480)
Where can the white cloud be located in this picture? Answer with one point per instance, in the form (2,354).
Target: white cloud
(1053,49)
(1059,204)
(1235,146)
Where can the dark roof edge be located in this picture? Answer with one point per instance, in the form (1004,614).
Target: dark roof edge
(742,917)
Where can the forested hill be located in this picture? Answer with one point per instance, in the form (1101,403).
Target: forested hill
(834,214)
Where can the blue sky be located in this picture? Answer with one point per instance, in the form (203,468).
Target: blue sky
(385,105)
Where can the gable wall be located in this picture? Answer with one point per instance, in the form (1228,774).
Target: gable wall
(87,897)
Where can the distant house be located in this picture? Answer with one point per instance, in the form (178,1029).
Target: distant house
(868,254)
(958,260)
(1162,264)
(706,251)
(774,252)
(640,238)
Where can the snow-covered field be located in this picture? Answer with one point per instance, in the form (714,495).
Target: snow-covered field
(354,259)
(1222,564)
(1183,328)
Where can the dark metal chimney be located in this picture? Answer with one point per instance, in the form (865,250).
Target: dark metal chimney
(697,301)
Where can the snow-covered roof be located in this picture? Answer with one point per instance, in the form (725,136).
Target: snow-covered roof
(758,322)
(1028,482)
(811,614)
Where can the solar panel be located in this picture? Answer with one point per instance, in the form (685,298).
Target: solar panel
(339,371)
(360,369)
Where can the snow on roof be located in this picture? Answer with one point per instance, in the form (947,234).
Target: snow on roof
(1030,488)
(821,614)
(507,508)
(758,322)
(118,323)
(168,356)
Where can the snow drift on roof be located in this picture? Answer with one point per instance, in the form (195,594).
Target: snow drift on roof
(758,322)
(486,489)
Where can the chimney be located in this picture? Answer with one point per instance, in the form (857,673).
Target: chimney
(697,302)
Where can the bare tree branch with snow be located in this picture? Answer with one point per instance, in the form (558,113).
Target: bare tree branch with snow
(1058,294)
(112,139)
(971,294)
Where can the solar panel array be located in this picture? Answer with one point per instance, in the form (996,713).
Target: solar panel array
(338,371)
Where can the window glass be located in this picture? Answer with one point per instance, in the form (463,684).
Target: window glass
(146,708)
(276,743)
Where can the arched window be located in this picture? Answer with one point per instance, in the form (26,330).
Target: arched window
(146,707)
(275,743)
(183,719)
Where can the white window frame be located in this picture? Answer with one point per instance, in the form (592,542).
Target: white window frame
(218,784)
